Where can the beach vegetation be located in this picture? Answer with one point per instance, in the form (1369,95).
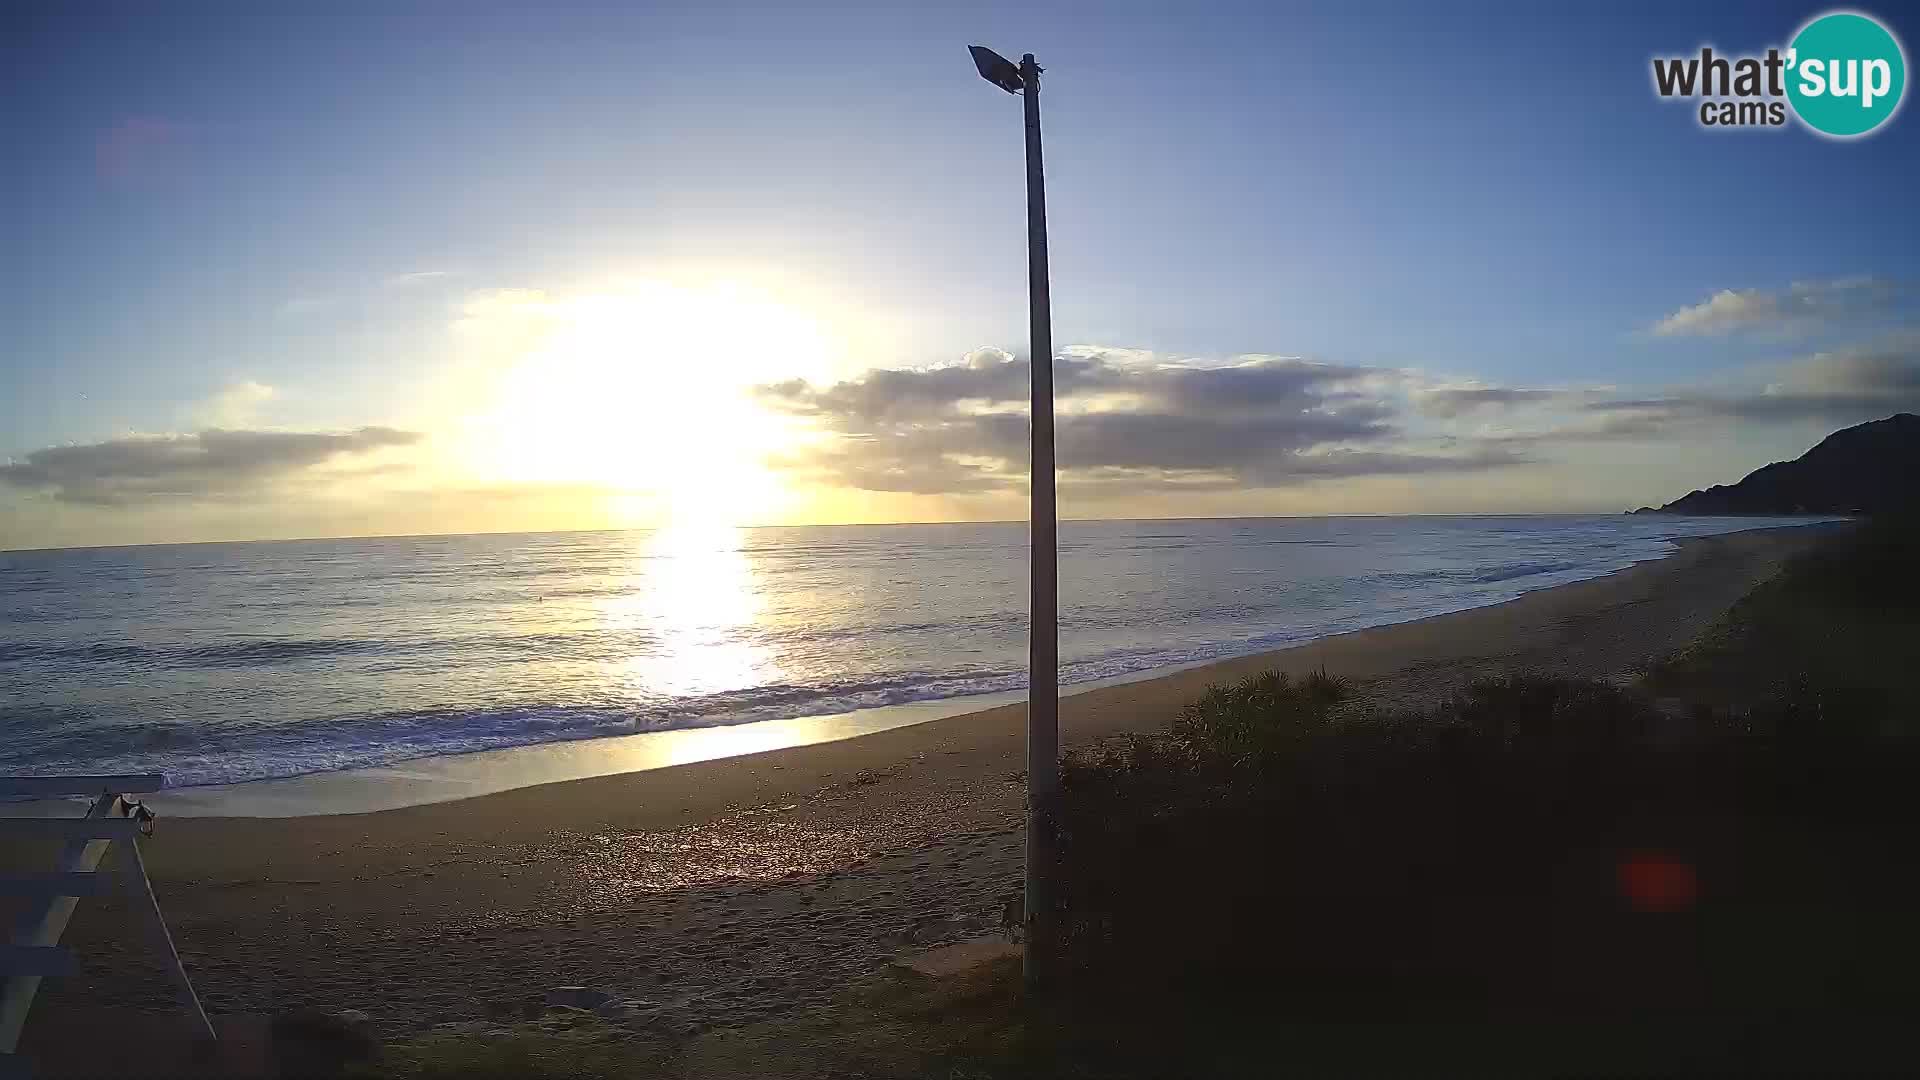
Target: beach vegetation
(1840,621)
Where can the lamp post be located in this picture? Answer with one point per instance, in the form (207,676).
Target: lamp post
(1043,636)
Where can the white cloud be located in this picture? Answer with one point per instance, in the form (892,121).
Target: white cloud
(236,406)
(1452,402)
(1801,306)
(1721,313)
(416,277)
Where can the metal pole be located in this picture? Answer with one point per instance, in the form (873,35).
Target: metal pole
(1043,658)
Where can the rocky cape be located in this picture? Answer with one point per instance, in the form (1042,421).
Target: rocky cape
(1870,468)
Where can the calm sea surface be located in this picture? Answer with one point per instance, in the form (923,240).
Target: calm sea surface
(225,662)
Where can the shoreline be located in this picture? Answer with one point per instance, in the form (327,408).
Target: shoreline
(705,787)
(727,889)
(439,778)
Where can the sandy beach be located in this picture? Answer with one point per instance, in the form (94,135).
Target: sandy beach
(717,892)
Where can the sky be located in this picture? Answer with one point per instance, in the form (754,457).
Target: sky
(452,268)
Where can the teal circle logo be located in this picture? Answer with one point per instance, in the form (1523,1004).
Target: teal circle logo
(1846,74)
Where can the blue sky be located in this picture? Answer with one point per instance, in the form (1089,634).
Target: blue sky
(210,199)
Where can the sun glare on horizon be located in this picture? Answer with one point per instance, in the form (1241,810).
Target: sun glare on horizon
(646,391)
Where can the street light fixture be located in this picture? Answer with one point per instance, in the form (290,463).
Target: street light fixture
(996,69)
(1043,637)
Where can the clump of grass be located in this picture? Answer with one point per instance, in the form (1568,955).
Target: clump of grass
(1257,717)
(1526,711)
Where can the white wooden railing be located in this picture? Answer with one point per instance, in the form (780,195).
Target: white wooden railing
(112,826)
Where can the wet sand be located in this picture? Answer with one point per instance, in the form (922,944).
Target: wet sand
(720,891)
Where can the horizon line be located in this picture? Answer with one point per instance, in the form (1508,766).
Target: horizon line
(819,525)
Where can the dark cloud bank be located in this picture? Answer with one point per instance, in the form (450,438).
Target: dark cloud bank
(210,464)
(1274,422)
(1261,423)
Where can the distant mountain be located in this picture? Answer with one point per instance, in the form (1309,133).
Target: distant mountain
(1870,468)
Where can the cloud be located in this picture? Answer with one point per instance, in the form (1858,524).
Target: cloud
(1261,422)
(1453,402)
(417,277)
(1838,388)
(1800,306)
(237,405)
(212,464)
(1627,425)
(1129,423)
(1842,386)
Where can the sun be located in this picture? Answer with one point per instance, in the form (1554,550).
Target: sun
(646,391)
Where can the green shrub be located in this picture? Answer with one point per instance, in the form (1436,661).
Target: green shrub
(1260,715)
(1275,844)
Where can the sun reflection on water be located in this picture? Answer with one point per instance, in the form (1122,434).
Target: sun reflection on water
(694,605)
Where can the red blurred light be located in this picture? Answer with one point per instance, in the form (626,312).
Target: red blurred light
(1654,881)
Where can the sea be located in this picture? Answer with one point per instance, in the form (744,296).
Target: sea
(228,662)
